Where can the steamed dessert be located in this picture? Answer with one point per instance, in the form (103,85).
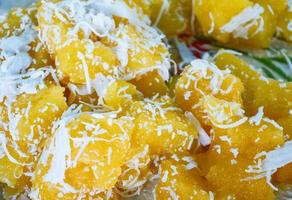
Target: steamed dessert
(93,107)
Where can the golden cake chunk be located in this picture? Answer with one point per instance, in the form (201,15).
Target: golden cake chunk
(40,55)
(142,51)
(160,120)
(203,78)
(240,24)
(231,163)
(178,13)
(81,60)
(84,155)
(274,96)
(29,123)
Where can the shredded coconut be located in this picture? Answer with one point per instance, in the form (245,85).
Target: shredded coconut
(204,137)
(241,23)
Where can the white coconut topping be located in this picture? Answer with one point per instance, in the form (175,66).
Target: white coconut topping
(60,150)
(272,161)
(258,117)
(191,163)
(212,23)
(276,159)
(203,136)
(200,69)
(231,125)
(240,24)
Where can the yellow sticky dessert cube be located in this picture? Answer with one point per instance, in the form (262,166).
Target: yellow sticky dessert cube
(230,163)
(274,96)
(240,24)
(108,149)
(30,122)
(39,111)
(81,60)
(180,179)
(261,34)
(227,118)
(213,15)
(18,21)
(160,120)
(203,78)
(85,154)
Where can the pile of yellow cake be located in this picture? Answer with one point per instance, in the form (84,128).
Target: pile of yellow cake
(88,110)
